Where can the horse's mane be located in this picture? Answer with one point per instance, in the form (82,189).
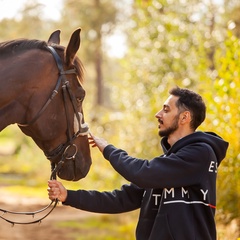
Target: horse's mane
(19,45)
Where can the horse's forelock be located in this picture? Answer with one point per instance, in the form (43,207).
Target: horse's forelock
(79,68)
(77,63)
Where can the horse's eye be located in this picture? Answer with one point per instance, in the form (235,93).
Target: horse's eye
(79,100)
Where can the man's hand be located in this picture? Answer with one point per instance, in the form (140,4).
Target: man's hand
(56,191)
(97,142)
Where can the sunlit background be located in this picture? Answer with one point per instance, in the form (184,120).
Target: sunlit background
(144,48)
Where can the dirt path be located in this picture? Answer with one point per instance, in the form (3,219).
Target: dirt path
(46,230)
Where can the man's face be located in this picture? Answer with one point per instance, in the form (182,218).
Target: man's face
(168,117)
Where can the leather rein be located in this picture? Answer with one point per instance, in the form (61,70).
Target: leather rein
(62,148)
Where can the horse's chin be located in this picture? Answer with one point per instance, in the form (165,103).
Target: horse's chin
(72,172)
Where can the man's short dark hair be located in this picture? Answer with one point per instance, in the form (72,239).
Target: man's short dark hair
(192,102)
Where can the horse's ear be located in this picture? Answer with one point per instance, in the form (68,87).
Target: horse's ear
(73,46)
(54,37)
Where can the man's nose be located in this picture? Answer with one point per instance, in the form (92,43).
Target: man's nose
(158,114)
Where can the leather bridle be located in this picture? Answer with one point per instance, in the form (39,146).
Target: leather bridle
(64,148)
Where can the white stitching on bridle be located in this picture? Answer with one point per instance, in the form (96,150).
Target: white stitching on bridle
(83,129)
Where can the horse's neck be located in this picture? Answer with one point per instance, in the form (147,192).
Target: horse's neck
(10,114)
(17,82)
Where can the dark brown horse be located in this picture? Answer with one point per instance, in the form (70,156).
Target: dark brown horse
(41,91)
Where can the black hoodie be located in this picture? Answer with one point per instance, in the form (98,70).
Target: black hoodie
(176,191)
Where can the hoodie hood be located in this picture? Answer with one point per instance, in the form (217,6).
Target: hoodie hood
(218,145)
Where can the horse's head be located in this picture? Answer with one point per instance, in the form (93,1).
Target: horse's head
(55,121)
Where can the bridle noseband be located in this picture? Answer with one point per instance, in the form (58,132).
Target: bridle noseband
(62,148)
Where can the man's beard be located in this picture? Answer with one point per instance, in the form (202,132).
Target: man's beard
(171,129)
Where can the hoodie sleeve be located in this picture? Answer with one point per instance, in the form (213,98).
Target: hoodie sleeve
(186,167)
(126,199)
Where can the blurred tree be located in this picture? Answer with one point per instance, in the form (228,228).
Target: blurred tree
(97,18)
(232,15)
(28,23)
(226,119)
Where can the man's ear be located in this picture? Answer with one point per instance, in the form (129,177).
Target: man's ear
(185,117)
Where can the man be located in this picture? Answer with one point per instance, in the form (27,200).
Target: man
(176,192)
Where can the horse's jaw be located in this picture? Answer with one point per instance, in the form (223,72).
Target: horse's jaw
(78,168)
(72,159)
